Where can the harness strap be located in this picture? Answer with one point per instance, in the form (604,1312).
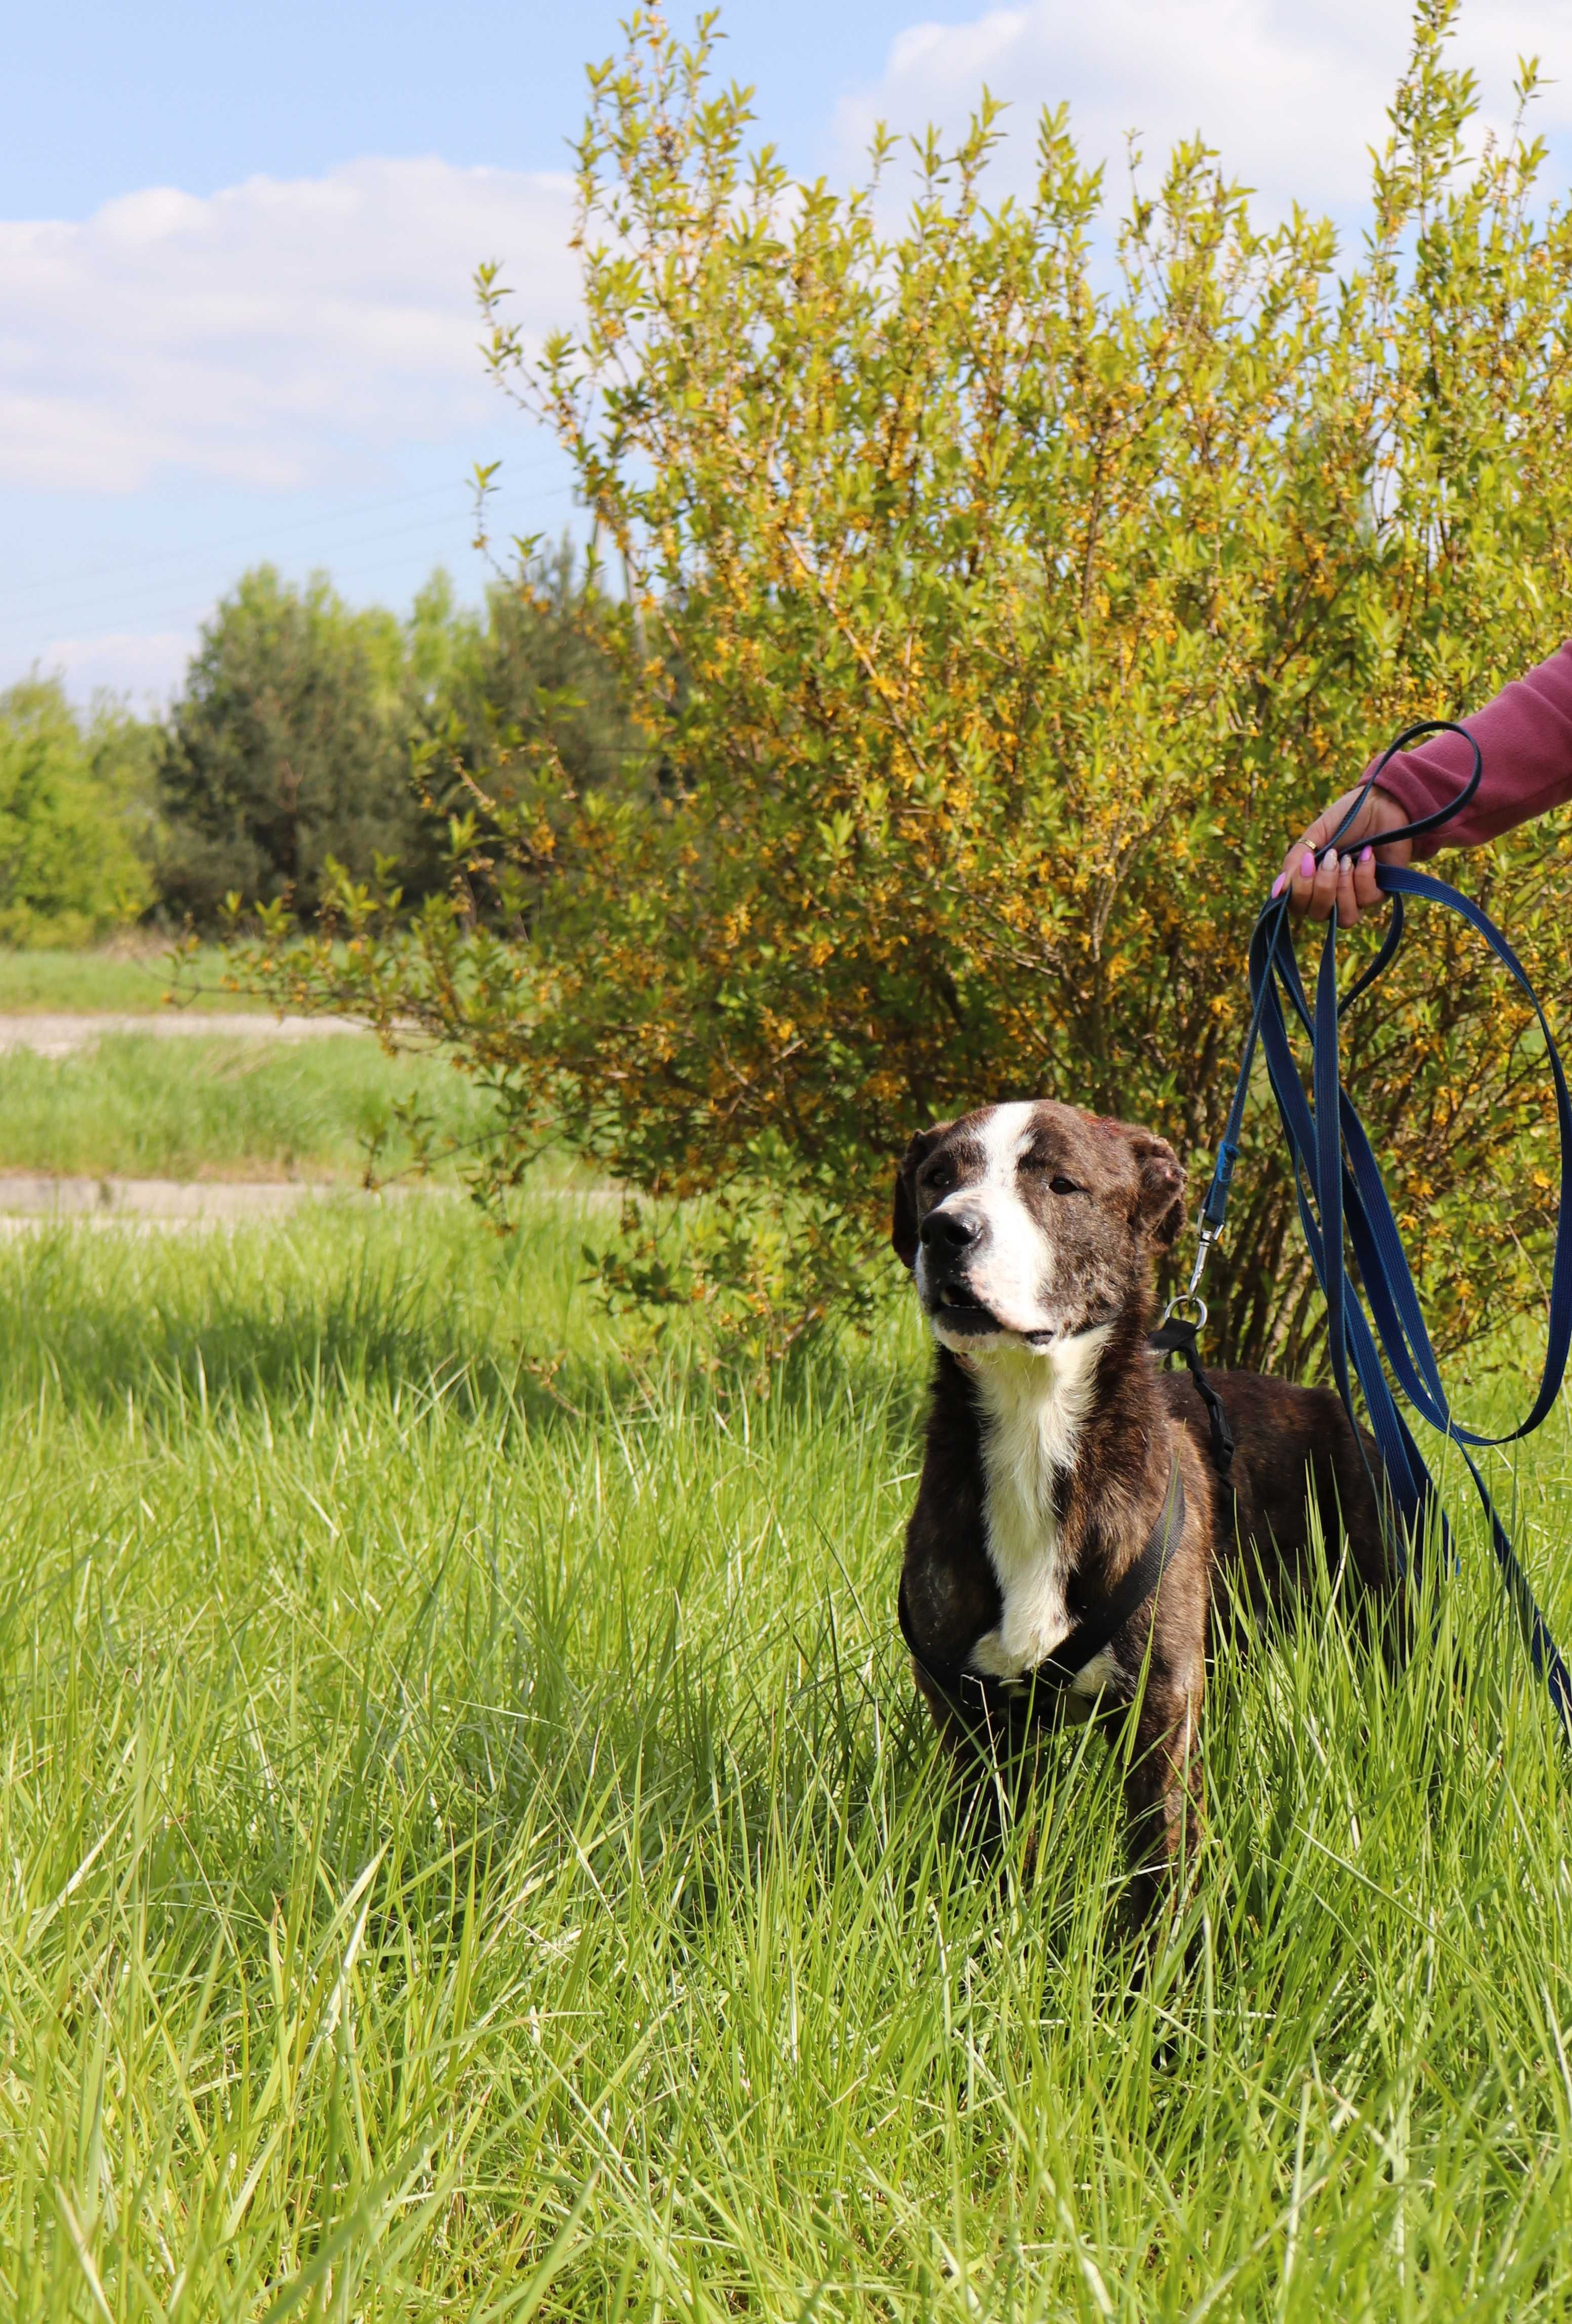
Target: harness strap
(1090,1636)
(1103,1625)
(1177,1337)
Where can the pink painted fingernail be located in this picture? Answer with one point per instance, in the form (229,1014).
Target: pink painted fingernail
(1279,884)
(1366,853)
(1307,865)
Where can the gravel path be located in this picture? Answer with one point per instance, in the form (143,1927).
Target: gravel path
(155,1205)
(52,1035)
(160,1205)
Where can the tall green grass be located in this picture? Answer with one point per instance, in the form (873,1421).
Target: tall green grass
(126,978)
(138,1105)
(467,1850)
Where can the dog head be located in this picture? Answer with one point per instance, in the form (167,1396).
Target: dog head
(1028,1224)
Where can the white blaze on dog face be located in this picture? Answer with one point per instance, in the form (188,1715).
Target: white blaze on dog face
(1031,1223)
(1010,1274)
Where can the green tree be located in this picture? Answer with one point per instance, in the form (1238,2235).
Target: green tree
(992,629)
(287,748)
(307,733)
(547,673)
(538,678)
(75,812)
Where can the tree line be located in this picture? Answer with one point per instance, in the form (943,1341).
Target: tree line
(306,732)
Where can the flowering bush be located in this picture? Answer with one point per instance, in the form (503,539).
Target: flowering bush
(991,631)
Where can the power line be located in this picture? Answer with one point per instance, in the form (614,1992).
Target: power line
(206,549)
(182,583)
(193,550)
(159,605)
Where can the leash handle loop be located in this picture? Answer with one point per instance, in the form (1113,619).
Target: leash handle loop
(1439,815)
(1214,1209)
(1340,1195)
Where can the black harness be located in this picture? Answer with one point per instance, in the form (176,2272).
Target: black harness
(1099,1627)
(1177,1337)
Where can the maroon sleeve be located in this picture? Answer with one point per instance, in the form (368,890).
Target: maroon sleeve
(1525,735)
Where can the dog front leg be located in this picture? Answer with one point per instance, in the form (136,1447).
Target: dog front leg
(1163,1794)
(991,1758)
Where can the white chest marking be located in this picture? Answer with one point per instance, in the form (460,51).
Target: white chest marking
(1035,1403)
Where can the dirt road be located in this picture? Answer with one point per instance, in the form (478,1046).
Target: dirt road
(49,1034)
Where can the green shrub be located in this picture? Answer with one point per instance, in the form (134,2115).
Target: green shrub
(73,806)
(996,632)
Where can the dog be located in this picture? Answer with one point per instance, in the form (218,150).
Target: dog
(1056,1453)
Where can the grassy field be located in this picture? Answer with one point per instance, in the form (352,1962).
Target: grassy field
(141,1106)
(129,979)
(468,1851)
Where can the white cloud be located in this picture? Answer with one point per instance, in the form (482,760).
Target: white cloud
(1292,92)
(261,335)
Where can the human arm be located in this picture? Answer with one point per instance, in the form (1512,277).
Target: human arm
(1525,739)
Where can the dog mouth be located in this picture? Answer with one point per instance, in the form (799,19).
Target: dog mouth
(959,1311)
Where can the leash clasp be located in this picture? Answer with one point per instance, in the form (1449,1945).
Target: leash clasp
(1188,1305)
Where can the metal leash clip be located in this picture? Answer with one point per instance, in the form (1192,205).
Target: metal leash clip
(1188,1305)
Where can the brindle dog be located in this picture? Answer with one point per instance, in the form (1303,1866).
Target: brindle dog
(1052,1437)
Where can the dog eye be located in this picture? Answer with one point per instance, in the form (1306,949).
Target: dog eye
(940,1179)
(1063,1186)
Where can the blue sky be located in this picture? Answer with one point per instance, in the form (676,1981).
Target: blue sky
(235,244)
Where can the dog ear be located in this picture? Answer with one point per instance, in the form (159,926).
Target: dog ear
(903,1225)
(1159,1204)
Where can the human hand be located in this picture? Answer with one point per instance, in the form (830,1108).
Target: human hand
(1321,879)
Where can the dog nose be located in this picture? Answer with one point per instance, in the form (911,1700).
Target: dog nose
(946,1233)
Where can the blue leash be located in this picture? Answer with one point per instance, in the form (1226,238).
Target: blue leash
(1338,1187)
